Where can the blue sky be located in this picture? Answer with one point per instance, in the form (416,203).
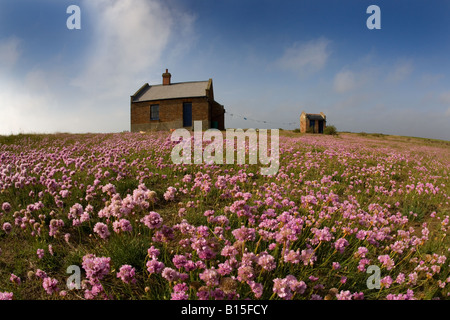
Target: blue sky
(269,61)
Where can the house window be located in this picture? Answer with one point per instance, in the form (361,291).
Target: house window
(154,112)
(311,123)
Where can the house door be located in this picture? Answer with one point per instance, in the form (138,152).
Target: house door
(187,114)
(320,126)
(312,126)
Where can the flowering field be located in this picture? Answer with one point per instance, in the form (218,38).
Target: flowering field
(139,227)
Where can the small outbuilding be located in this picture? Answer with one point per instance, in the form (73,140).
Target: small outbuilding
(312,122)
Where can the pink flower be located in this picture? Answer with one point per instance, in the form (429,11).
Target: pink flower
(244,234)
(287,287)
(6,295)
(257,288)
(169,195)
(102,230)
(386,261)
(267,261)
(54,227)
(40,253)
(15,279)
(122,225)
(341,244)
(41,274)
(49,285)
(126,274)
(7,227)
(153,252)
(153,220)
(96,268)
(408,296)
(344,295)
(386,281)
(308,257)
(170,274)
(179,292)
(154,266)
(336,266)
(292,257)
(362,251)
(6,207)
(210,276)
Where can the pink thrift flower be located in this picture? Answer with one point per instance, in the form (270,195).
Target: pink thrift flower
(257,288)
(179,292)
(102,230)
(126,274)
(7,227)
(170,274)
(40,253)
(6,295)
(15,279)
(210,277)
(287,287)
(267,262)
(154,266)
(336,266)
(96,268)
(41,274)
(49,285)
(386,281)
(386,261)
(153,220)
(169,195)
(6,207)
(153,252)
(344,295)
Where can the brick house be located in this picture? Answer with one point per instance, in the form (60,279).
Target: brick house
(313,123)
(175,105)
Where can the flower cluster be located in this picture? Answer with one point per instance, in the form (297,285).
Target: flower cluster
(334,209)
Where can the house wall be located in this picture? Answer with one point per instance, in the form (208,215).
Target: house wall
(303,123)
(218,114)
(170,114)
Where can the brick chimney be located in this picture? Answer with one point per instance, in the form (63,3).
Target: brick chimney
(166,78)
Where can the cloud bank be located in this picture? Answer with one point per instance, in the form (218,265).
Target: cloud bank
(128,43)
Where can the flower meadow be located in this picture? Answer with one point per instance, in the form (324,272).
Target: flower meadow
(140,227)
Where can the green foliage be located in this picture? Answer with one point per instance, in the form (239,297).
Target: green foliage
(330,130)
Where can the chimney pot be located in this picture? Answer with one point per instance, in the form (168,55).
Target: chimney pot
(166,78)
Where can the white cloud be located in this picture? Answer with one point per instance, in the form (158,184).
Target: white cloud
(400,72)
(130,38)
(9,52)
(344,81)
(306,57)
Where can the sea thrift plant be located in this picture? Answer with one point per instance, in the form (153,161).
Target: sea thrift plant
(142,227)
(102,230)
(6,295)
(50,285)
(127,274)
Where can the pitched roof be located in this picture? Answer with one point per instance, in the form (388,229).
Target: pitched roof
(172,91)
(312,116)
